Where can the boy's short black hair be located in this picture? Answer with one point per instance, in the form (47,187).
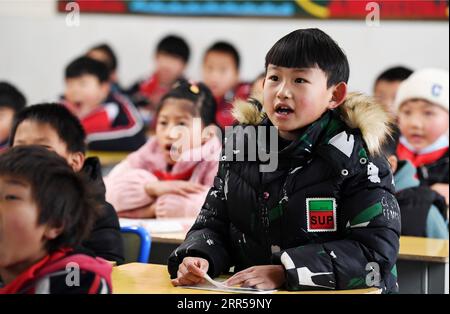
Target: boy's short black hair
(225,47)
(175,46)
(199,94)
(112,59)
(11,97)
(85,65)
(398,73)
(68,127)
(62,196)
(309,48)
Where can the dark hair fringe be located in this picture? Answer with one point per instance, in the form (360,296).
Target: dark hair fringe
(226,47)
(87,66)
(65,199)
(105,48)
(175,46)
(204,103)
(309,48)
(66,125)
(11,97)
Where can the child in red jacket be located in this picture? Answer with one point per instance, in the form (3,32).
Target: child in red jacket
(46,209)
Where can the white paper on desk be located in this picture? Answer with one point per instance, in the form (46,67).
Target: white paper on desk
(158,225)
(215,285)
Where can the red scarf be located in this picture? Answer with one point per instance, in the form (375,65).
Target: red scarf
(167,176)
(29,275)
(153,90)
(419,160)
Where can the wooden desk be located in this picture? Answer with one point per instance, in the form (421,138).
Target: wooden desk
(139,278)
(423,265)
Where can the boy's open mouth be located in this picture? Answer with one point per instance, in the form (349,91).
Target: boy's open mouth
(282,109)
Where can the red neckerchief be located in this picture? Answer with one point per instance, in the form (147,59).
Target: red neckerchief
(166,176)
(29,275)
(153,90)
(419,160)
(224,117)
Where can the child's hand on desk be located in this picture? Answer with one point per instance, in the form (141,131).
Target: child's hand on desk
(143,212)
(259,277)
(191,271)
(158,188)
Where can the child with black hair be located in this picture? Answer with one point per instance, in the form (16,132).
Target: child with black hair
(171,174)
(221,64)
(11,101)
(104,53)
(55,128)
(46,210)
(423,211)
(386,86)
(326,217)
(171,58)
(110,120)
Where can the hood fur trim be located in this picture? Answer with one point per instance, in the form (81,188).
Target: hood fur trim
(358,111)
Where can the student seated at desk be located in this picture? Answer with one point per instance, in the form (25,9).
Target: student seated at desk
(325,216)
(110,120)
(55,128)
(46,210)
(171,174)
(422,104)
(423,210)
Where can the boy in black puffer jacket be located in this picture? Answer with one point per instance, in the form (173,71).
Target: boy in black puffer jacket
(326,217)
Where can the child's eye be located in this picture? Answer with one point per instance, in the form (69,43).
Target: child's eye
(182,123)
(11,197)
(429,113)
(406,112)
(273,78)
(164,123)
(300,80)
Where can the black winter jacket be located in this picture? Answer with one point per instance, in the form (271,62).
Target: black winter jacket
(327,214)
(105,239)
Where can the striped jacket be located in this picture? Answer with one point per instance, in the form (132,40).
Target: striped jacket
(63,272)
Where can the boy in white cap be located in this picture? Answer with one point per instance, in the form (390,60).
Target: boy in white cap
(422,105)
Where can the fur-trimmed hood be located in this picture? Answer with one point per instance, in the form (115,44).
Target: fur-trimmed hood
(357,111)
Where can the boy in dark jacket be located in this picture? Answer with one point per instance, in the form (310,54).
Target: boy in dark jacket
(326,217)
(423,210)
(54,127)
(46,209)
(110,120)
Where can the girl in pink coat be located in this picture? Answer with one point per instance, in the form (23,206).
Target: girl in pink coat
(171,174)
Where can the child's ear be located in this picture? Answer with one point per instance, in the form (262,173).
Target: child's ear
(338,95)
(76,161)
(393,162)
(105,88)
(51,233)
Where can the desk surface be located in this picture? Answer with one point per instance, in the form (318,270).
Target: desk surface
(108,158)
(139,278)
(423,249)
(411,248)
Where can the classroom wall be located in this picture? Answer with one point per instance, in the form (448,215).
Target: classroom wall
(36,44)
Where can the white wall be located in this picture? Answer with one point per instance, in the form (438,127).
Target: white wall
(36,44)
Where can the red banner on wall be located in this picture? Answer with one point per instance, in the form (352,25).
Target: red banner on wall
(320,9)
